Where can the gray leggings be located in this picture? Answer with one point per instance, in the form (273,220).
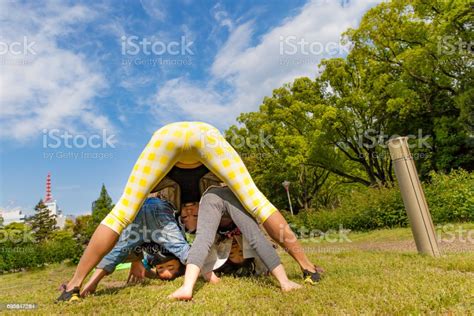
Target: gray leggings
(212,206)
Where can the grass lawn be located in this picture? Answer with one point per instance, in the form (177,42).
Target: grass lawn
(361,277)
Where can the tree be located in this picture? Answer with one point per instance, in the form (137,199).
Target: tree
(1,221)
(42,223)
(283,128)
(422,55)
(69,225)
(83,228)
(101,207)
(409,72)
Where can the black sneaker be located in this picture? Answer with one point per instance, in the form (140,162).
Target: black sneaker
(312,277)
(69,296)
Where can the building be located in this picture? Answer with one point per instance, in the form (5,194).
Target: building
(52,205)
(12,216)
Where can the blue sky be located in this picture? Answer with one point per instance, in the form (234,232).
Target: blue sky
(72,71)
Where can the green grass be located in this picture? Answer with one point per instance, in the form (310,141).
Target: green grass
(357,281)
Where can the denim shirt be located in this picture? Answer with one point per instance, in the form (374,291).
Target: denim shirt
(155,222)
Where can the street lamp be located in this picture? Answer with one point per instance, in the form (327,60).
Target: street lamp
(286,185)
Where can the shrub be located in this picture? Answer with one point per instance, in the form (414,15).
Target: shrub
(19,255)
(450,198)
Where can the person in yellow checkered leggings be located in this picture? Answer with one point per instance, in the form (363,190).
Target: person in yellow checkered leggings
(188,145)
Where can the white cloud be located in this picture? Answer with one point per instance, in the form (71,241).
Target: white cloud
(179,96)
(222,17)
(54,87)
(154,8)
(253,71)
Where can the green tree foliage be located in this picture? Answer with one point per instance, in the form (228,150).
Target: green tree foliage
(275,143)
(100,208)
(421,56)
(69,225)
(43,223)
(1,221)
(83,229)
(409,72)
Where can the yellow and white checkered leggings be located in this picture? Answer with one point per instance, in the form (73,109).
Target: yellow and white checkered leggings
(186,143)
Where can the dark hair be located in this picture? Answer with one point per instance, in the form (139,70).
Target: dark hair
(244,269)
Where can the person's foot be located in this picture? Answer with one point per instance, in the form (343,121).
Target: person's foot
(290,286)
(182,294)
(69,296)
(313,277)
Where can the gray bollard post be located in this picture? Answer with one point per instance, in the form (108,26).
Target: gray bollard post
(413,197)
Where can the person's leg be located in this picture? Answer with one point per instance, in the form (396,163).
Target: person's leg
(255,237)
(108,259)
(210,214)
(158,157)
(248,226)
(279,230)
(101,243)
(219,156)
(164,230)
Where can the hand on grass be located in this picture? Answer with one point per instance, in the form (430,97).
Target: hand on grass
(89,289)
(137,273)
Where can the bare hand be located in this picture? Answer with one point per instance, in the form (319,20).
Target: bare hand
(137,273)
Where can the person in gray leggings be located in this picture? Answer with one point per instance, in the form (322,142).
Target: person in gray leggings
(219,205)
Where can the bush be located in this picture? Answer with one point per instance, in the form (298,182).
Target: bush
(450,199)
(19,255)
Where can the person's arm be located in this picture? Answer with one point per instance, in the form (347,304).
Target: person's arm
(170,236)
(107,265)
(138,272)
(122,250)
(93,282)
(150,273)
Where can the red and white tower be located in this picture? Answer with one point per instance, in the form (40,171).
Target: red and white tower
(52,205)
(49,197)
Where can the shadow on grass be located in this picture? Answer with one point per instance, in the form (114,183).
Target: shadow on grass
(115,289)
